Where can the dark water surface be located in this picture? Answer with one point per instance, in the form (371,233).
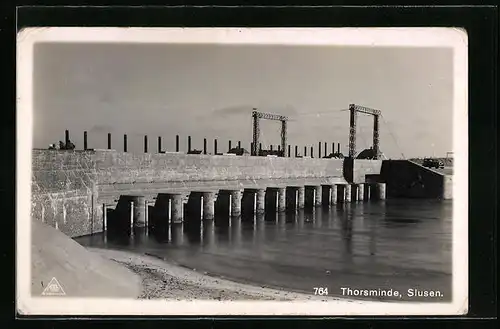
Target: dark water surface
(391,244)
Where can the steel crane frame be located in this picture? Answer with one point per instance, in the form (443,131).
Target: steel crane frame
(256,129)
(354,110)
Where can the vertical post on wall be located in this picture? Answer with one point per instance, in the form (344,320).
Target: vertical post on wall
(109,141)
(177,143)
(296,151)
(326,150)
(289,150)
(376,150)
(239,144)
(283,135)
(319,150)
(305,151)
(333,147)
(145,143)
(124,143)
(189,144)
(204,146)
(215,146)
(260,149)
(256,131)
(159,144)
(85,145)
(312,152)
(229,145)
(352,131)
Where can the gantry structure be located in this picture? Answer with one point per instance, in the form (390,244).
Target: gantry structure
(355,109)
(256,129)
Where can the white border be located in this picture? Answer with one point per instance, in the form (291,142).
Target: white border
(407,37)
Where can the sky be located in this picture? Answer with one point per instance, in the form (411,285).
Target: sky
(209,91)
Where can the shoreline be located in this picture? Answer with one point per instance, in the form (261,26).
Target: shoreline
(161,279)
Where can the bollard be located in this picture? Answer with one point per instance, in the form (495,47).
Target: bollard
(239,144)
(229,146)
(176,143)
(124,143)
(215,146)
(289,151)
(296,151)
(145,144)
(305,151)
(189,144)
(319,150)
(109,141)
(159,144)
(312,152)
(204,146)
(326,150)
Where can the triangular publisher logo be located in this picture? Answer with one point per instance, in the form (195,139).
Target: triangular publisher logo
(53,289)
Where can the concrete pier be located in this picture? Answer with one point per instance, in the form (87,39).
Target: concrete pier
(139,212)
(361,192)
(235,203)
(209,205)
(260,201)
(281,199)
(333,194)
(348,194)
(176,208)
(301,194)
(318,196)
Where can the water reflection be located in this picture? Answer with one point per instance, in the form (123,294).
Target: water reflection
(405,242)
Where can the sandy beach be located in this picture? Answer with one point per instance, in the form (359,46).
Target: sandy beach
(162,279)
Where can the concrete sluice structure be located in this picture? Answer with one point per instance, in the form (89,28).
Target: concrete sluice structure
(87,192)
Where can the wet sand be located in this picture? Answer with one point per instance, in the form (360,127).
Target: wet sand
(162,279)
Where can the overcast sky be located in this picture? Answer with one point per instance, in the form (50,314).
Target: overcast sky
(209,91)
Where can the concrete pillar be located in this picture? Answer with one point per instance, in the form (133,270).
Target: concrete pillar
(209,205)
(177,208)
(301,197)
(333,194)
(348,194)
(236,203)
(281,199)
(139,212)
(361,192)
(177,233)
(261,201)
(318,196)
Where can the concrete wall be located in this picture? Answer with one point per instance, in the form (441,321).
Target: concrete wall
(69,187)
(410,180)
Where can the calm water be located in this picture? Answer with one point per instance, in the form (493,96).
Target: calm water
(392,244)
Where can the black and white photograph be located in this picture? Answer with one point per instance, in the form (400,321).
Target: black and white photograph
(242,171)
